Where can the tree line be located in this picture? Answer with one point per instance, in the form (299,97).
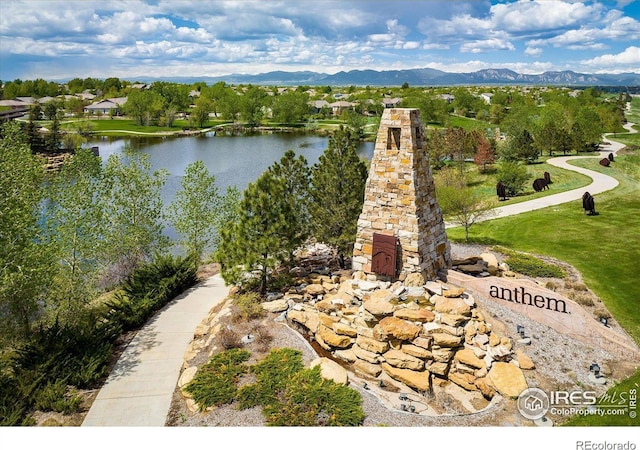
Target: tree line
(70,235)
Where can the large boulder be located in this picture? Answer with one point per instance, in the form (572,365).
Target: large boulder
(331,370)
(468,357)
(464,380)
(400,329)
(414,279)
(372,345)
(447,340)
(333,339)
(314,289)
(276,306)
(416,351)
(454,305)
(306,318)
(419,381)
(507,379)
(442,354)
(379,303)
(415,315)
(524,361)
(343,328)
(452,292)
(367,368)
(439,368)
(366,355)
(402,360)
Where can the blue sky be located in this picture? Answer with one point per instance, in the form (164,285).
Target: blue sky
(60,39)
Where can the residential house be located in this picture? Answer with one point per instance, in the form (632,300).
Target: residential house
(447,98)
(486,96)
(339,107)
(106,106)
(318,105)
(391,102)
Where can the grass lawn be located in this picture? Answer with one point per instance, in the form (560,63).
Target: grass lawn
(563,180)
(468,123)
(605,248)
(119,127)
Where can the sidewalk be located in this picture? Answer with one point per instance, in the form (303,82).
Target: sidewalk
(138,391)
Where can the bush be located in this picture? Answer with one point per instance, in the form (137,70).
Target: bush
(514,176)
(54,397)
(249,306)
(576,286)
(215,382)
(228,339)
(150,288)
(530,265)
(533,267)
(581,298)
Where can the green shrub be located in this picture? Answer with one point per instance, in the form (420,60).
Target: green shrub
(529,265)
(249,306)
(215,382)
(273,374)
(533,267)
(54,397)
(150,288)
(293,396)
(514,176)
(309,400)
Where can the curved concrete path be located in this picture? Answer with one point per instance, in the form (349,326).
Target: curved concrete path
(600,183)
(139,389)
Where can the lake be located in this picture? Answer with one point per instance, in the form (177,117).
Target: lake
(234,160)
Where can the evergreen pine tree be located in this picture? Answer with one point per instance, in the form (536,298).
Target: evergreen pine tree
(296,175)
(337,193)
(254,241)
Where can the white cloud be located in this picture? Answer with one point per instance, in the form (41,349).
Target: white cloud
(533,51)
(486,45)
(628,60)
(526,16)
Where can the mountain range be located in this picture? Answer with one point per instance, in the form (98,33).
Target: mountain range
(417,77)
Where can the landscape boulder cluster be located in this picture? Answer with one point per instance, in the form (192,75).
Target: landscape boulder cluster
(417,332)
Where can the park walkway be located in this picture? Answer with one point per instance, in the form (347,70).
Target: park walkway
(599,183)
(139,390)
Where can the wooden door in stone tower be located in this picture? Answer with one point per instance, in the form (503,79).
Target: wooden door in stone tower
(385,250)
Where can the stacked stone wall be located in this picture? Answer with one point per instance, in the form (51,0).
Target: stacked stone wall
(416,333)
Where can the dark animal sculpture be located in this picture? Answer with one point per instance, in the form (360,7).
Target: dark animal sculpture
(501,191)
(610,157)
(547,177)
(540,184)
(605,162)
(588,204)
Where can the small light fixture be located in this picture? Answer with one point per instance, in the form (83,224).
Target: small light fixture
(365,385)
(595,369)
(381,384)
(412,408)
(520,329)
(403,407)
(603,321)
(403,397)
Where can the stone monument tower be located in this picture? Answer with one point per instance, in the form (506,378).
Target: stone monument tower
(401,229)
